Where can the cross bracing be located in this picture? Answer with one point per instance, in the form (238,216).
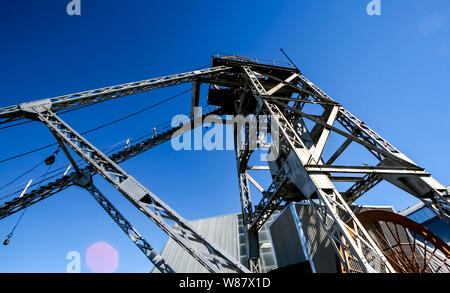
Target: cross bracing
(299,173)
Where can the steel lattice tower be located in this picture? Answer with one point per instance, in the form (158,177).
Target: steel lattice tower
(248,88)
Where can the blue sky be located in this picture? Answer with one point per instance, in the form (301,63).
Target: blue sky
(392,71)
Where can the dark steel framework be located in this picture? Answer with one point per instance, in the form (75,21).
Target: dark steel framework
(240,86)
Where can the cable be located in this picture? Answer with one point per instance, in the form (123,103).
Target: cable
(22,175)
(17,178)
(135,113)
(8,237)
(17,124)
(162,126)
(27,153)
(36,183)
(97,128)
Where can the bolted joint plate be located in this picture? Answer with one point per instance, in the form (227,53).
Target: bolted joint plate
(84,180)
(134,189)
(35,107)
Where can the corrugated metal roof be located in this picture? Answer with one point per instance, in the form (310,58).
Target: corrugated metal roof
(226,237)
(228,233)
(412,209)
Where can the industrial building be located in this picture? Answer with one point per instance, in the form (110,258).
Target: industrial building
(290,237)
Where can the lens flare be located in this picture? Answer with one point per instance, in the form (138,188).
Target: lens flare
(102,258)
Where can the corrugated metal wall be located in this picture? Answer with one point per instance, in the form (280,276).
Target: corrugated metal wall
(286,240)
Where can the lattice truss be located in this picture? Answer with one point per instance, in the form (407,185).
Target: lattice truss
(299,172)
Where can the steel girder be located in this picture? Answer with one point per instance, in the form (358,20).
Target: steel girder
(394,166)
(66,102)
(243,153)
(271,200)
(361,187)
(252,238)
(60,184)
(365,169)
(85,181)
(212,257)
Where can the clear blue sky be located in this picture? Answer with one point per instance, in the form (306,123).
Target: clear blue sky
(392,71)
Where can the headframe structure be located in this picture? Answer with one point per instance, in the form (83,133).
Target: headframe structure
(245,87)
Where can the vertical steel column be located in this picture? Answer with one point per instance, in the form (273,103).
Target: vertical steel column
(329,203)
(243,154)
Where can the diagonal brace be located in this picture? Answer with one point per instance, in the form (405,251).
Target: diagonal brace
(142,198)
(158,261)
